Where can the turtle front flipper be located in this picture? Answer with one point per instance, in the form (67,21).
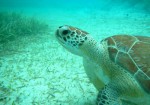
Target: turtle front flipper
(108,96)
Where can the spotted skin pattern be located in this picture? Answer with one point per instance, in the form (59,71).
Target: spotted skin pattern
(73,36)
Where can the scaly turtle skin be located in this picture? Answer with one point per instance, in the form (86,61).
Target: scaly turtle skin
(118,66)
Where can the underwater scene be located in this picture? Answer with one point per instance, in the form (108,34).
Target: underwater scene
(36,68)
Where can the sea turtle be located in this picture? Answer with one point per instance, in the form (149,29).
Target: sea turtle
(118,66)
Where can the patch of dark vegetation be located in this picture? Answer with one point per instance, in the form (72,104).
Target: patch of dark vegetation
(14,25)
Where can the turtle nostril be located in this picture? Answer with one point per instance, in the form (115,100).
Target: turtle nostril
(60,26)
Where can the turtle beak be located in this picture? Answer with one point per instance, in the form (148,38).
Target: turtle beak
(59,37)
(57,33)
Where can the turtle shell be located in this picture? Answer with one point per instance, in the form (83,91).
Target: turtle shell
(133,54)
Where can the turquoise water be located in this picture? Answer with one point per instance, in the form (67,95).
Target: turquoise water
(35,69)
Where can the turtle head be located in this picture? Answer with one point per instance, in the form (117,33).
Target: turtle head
(71,38)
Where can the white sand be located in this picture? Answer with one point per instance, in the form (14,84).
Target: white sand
(37,70)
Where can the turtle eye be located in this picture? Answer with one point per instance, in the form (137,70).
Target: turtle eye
(65,32)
